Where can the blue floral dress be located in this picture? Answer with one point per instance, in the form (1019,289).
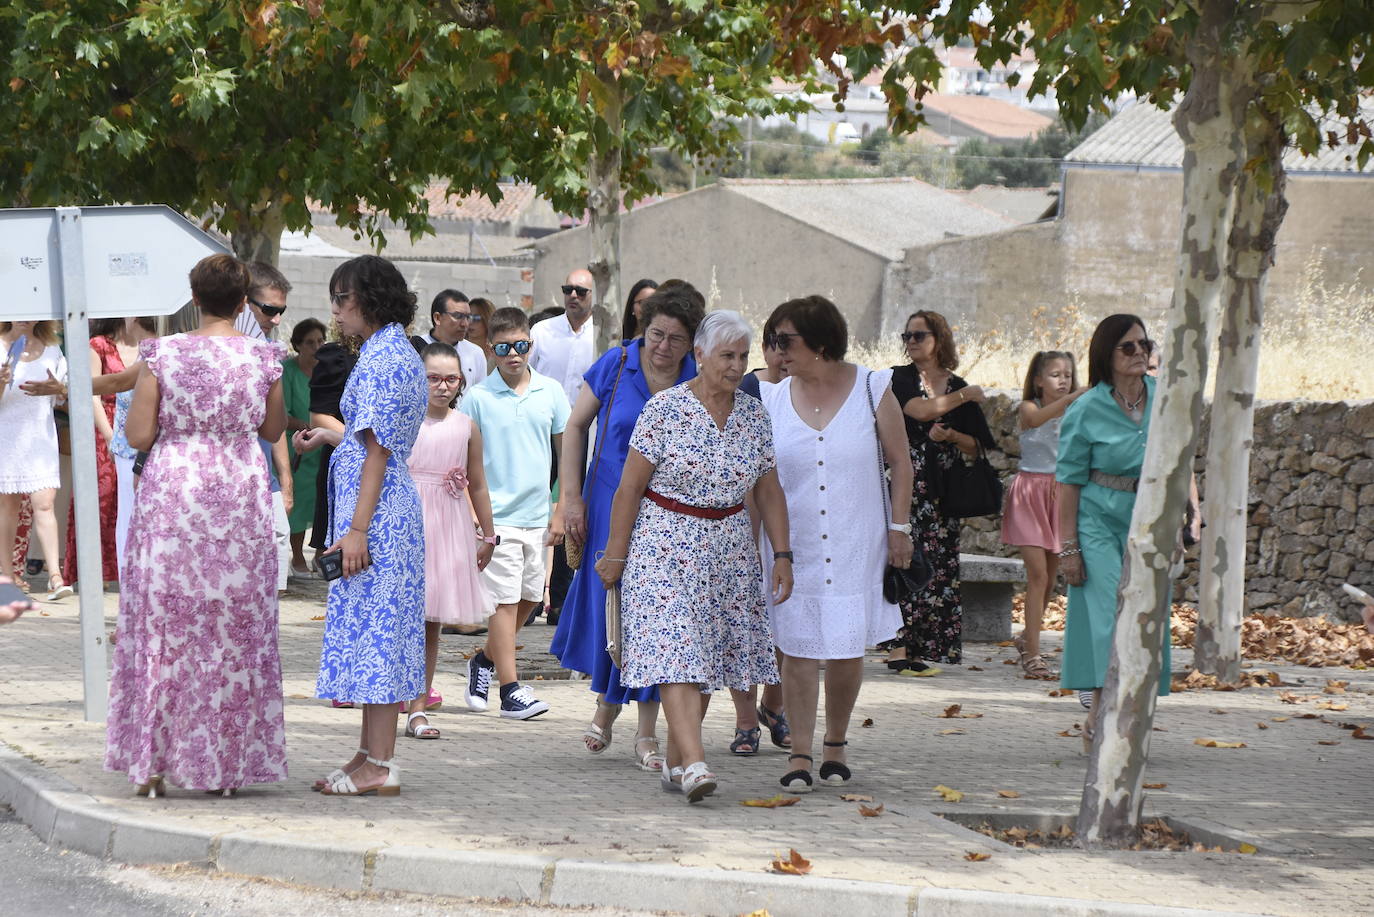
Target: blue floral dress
(580,641)
(692,605)
(374,634)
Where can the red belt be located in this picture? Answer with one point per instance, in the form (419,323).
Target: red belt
(702,512)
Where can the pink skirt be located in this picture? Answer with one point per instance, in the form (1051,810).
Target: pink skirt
(454,592)
(1031,515)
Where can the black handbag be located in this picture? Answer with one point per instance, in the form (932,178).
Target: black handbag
(970,488)
(898,584)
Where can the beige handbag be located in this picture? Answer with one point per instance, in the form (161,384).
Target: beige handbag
(573,549)
(614,646)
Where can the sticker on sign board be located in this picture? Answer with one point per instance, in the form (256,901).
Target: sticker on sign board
(129,264)
(31,262)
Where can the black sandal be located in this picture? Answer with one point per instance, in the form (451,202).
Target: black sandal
(797,781)
(835,773)
(746,742)
(896,665)
(778,730)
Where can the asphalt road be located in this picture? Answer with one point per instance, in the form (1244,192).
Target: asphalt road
(40,881)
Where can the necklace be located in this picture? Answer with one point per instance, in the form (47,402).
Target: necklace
(1131,406)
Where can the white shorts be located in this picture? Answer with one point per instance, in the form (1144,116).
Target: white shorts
(516,570)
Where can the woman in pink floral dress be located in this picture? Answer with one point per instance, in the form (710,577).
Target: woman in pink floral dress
(195,696)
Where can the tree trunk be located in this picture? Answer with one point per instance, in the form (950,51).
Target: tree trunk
(603,205)
(1209,120)
(258,236)
(1260,207)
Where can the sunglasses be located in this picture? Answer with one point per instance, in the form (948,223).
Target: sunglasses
(916,336)
(268,310)
(436,379)
(336,298)
(504,348)
(1146,346)
(779,341)
(569,290)
(460,316)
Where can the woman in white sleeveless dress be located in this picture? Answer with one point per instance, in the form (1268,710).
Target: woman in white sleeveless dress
(830,420)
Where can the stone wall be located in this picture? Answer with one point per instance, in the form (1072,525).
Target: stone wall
(1311,502)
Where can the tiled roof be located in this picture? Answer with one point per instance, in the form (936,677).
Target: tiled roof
(883,215)
(991,117)
(1143,135)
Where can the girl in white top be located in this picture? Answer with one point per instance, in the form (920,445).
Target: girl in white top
(834,423)
(28,448)
(1030,519)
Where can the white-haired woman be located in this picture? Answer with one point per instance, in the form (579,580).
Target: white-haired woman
(693,613)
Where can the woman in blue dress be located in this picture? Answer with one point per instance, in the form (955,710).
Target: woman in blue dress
(374,638)
(618,386)
(1101,450)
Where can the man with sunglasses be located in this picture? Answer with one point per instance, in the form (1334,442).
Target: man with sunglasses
(450,316)
(565,346)
(260,319)
(521,415)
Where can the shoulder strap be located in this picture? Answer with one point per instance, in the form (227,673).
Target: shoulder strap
(878,440)
(610,402)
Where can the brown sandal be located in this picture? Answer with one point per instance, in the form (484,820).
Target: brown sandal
(1033,664)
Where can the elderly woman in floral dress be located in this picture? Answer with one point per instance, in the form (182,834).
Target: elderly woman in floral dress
(693,612)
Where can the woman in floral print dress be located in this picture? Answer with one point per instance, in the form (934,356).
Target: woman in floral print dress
(942,420)
(195,692)
(693,612)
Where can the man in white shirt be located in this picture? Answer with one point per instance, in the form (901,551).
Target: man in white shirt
(449,318)
(565,347)
(261,320)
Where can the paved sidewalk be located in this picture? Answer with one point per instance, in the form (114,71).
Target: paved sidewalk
(531,800)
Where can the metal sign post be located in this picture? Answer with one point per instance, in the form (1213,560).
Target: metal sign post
(73,264)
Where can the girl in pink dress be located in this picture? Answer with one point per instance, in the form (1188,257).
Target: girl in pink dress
(1030,519)
(446,465)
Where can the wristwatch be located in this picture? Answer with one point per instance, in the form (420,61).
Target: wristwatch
(492,540)
(903,527)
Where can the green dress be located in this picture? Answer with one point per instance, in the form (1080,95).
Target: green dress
(296,392)
(1096,435)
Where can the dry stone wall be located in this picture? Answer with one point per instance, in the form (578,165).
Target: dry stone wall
(1311,522)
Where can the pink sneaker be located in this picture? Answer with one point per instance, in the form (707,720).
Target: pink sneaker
(434,701)
(342,704)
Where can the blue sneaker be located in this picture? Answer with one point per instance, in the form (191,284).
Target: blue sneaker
(480,670)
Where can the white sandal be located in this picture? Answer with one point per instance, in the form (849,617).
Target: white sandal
(671,779)
(336,774)
(697,782)
(426,731)
(599,735)
(651,761)
(390,787)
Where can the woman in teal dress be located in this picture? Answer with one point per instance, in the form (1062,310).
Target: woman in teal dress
(1101,449)
(306,338)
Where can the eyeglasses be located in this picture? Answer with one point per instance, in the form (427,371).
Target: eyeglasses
(474,318)
(1147,347)
(569,290)
(460,316)
(779,341)
(917,336)
(504,348)
(436,379)
(654,336)
(336,298)
(266,309)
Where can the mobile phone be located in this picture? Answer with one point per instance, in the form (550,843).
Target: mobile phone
(1358,594)
(10,593)
(331,564)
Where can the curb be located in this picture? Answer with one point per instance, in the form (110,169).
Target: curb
(63,815)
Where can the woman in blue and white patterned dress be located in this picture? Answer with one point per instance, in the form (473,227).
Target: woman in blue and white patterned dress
(692,605)
(374,638)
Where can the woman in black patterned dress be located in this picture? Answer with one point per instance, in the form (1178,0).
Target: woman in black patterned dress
(942,419)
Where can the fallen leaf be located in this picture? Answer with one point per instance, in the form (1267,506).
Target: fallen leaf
(870,811)
(1359,733)
(1288,697)
(1217,710)
(1308,716)
(1154,786)
(1279,719)
(856,797)
(952,713)
(1217,743)
(1069,735)
(950,795)
(1006,642)
(44,614)
(1335,687)
(974,668)
(1262,725)
(1332,705)
(951,732)
(1009,662)
(794,865)
(1060,692)
(868,723)
(975,856)
(761,912)
(1009,794)
(1327,742)
(317,618)
(772,802)
(1247,848)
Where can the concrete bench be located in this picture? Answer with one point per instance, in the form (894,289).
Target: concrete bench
(988,586)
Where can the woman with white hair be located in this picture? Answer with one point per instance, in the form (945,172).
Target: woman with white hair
(693,614)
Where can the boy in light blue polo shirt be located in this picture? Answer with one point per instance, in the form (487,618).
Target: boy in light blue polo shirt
(521,416)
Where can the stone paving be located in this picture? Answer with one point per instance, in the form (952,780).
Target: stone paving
(497,785)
